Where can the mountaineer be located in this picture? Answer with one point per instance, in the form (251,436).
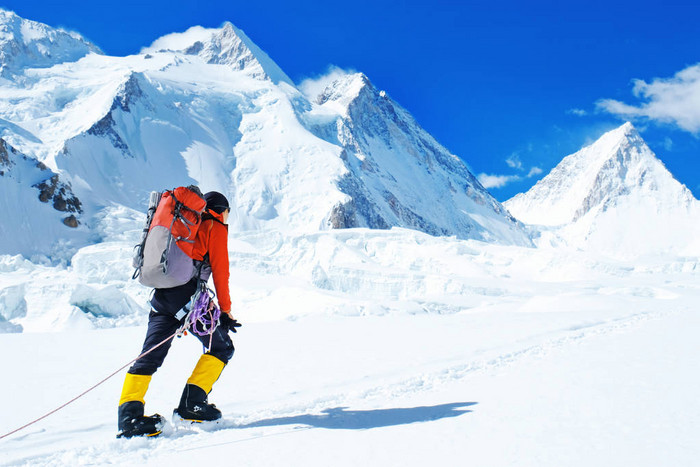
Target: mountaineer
(209,250)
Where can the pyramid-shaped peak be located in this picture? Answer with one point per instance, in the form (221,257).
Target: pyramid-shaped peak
(29,44)
(623,133)
(619,164)
(627,127)
(624,139)
(626,130)
(226,45)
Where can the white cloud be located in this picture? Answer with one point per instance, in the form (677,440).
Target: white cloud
(514,161)
(312,87)
(668,144)
(499,181)
(577,112)
(534,171)
(673,100)
(496,181)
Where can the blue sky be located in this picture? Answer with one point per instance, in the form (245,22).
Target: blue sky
(511,87)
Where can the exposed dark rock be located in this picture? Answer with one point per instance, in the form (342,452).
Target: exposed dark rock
(195,48)
(342,217)
(105,127)
(71,221)
(61,194)
(5,149)
(411,219)
(360,211)
(52,189)
(129,92)
(47,188)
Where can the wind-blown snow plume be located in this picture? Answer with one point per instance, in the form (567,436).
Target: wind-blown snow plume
(227,45)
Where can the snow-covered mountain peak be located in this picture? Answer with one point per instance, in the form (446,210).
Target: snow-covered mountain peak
(615,196)
(399,175)
(29,44)
(617,164)
(226,45)
(623,135)
(345,89)
(354,92)
(627,127)
(350,91)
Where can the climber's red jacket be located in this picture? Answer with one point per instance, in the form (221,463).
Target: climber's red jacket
(212,238)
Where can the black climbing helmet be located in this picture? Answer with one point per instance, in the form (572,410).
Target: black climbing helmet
(216,202)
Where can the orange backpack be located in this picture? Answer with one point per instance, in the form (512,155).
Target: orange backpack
(164,258)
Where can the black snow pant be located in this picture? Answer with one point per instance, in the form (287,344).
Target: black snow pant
(162,325)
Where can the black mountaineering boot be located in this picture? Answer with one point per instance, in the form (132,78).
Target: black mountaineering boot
(194,407)
(132,422)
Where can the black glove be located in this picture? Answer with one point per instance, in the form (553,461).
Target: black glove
(226,321)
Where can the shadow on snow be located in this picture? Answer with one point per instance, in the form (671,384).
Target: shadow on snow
(342,419)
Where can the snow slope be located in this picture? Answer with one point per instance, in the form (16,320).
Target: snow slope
(539,358)
(38,202)
(614,196)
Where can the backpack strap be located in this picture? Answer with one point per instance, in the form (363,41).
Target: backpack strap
(179,206)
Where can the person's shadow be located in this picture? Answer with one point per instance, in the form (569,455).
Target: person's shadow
(342,419)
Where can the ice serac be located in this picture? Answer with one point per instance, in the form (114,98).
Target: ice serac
(399,175)
(29,44)
(227,45)
(615,196)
